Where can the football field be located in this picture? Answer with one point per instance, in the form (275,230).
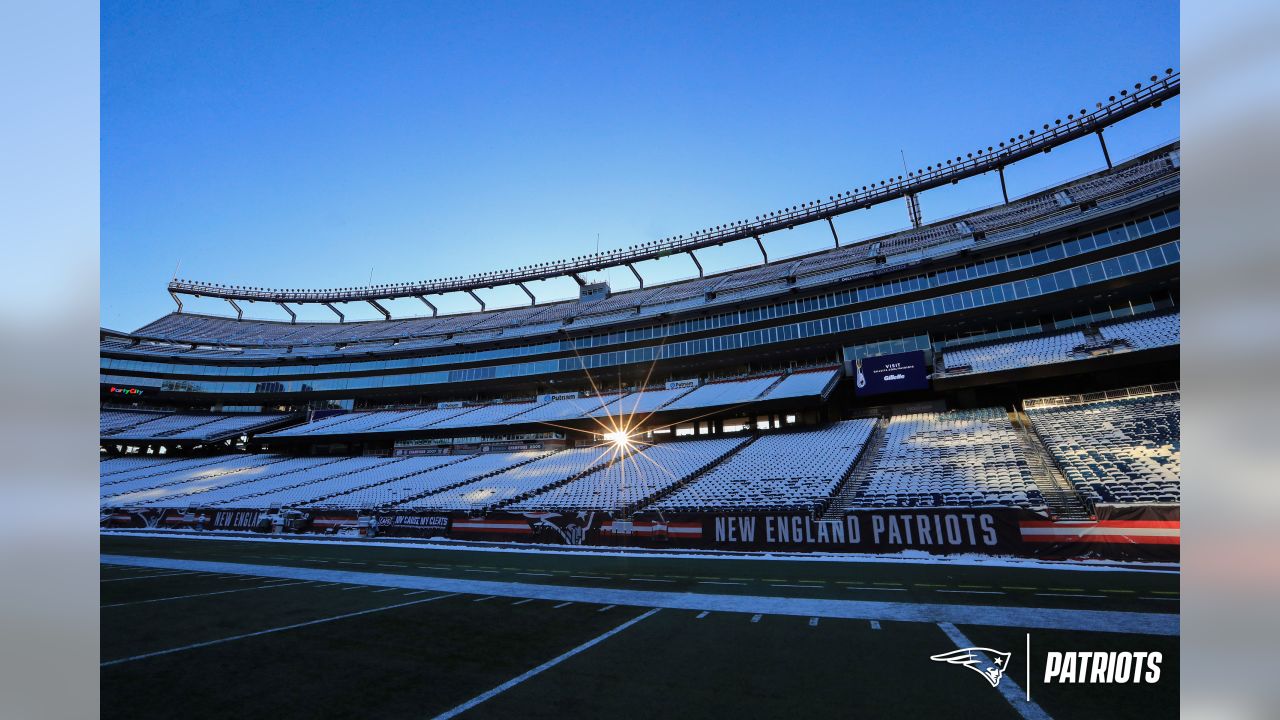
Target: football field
(217,628)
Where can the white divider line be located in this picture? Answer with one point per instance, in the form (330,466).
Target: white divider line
(146,577)
(1010,616)
(269,631)
(755,618)
(1028,709)
(521,602)
(557,607)
(702,614)
(606,608)
(196,595)
(541,668)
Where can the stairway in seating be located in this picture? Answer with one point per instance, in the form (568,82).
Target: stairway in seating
(1059,495)
(845,497)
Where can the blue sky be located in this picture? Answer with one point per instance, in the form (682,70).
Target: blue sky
(292,144)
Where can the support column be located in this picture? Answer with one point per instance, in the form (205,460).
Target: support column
(427,302)
(341,317)
(293,318)
(832,225)
(386,315)
(760,245)
(635,272)
(578,278)
(174,295)
(239,312)
(476,297)
(1106,155)
(1003,189)
(532,300)
(695,262)
(913,209)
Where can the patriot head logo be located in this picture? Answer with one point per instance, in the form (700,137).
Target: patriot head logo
(988,663)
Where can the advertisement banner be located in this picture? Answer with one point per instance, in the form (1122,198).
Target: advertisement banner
(897,372)
(574,528)
(413,524)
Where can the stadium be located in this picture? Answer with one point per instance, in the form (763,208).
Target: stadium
(965,433)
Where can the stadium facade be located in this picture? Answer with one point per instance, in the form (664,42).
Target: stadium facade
(1003,381)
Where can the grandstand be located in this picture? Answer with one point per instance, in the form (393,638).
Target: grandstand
(633,479)
(963,458)
(175,427)
(781,472)
(1125,449)
(661,410)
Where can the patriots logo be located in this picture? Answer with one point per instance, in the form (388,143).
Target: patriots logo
(988,663)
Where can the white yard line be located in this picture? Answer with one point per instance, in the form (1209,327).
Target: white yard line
(207,594)
(1028,709)
(541,668)
(1025,618)
(269,631)
(146,577)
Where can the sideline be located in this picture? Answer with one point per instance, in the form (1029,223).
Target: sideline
(906,557)
(991,615)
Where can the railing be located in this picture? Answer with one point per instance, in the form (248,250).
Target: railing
(1129,392)
(943,173)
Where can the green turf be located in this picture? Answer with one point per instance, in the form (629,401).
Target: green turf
(420,660)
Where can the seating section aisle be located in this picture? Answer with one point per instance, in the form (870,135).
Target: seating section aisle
(965,458)
(798,471)
(1117,451)
(634,478)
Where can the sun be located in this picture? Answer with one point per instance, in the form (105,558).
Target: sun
(621,439)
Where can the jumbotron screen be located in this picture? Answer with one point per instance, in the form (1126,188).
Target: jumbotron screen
(898,372)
